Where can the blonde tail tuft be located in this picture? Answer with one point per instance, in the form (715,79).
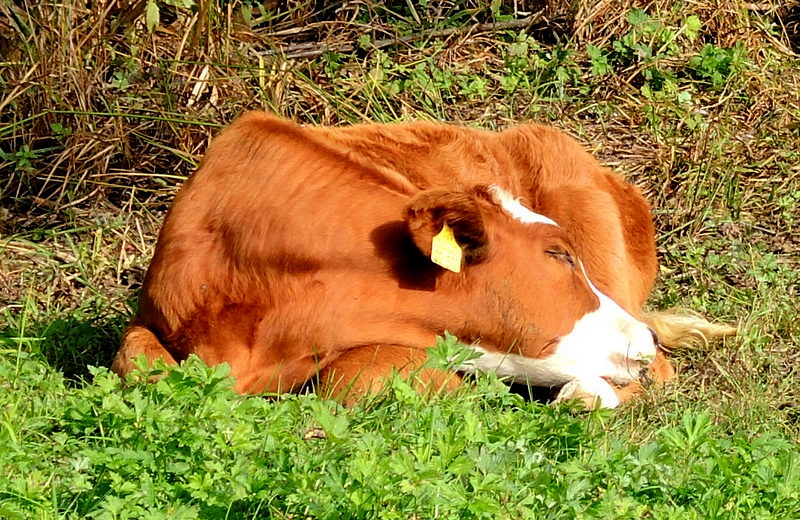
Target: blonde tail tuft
(682,328)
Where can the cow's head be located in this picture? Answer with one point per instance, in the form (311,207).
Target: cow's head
(523,295)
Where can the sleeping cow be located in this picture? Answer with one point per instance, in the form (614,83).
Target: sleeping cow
(340,254)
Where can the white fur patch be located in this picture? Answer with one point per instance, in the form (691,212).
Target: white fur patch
(605,343)
(573,360)
(513,206)
(552,371)
(555,370)
(594,392)
(615,331)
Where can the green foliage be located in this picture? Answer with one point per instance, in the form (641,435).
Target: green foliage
(152,12)
(449,353)
(187,446)
(716,65)
(538,70)
(654,46)
(599,60)
(22,159)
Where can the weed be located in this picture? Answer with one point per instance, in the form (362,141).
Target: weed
(188,445)
(716,65)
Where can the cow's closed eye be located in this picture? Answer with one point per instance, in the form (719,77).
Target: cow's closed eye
(562,256)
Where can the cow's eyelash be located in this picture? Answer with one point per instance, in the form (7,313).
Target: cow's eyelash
(562,256)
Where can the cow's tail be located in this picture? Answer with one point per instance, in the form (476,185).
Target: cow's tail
(681,328)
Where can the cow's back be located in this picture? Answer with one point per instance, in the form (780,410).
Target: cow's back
(608,219)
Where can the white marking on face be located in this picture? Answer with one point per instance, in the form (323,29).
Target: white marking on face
(611,331)
(605,343)
(574,360)
(513,206)
(555,370)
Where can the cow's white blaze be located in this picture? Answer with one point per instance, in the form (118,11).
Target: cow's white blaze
(605,343)
(513,206)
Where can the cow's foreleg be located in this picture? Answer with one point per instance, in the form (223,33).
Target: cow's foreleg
(364,370)
(597,392)
(593,392)
(139,341)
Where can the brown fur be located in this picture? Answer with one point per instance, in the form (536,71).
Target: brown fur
(294,252)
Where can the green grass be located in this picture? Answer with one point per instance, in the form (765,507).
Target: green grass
(697,104)
(188,447)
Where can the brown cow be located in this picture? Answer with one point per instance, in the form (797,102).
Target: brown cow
(296,252)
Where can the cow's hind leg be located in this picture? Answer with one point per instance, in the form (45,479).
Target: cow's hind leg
(364,370)
(139,341)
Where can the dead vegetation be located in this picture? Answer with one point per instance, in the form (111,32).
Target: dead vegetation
(92,104)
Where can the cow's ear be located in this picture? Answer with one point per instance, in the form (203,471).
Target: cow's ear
(431,211)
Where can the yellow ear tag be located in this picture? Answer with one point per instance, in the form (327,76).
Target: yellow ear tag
(445,251)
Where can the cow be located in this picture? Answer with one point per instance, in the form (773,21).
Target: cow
(338,255)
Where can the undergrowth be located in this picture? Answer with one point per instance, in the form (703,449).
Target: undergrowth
(104,111)
(189,447)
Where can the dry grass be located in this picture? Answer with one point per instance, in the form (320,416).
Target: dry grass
(100,121)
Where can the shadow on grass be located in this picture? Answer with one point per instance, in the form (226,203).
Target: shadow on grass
(536,394)
(71,344)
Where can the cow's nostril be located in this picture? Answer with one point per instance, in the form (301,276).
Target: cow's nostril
(655,337)
(644,377)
